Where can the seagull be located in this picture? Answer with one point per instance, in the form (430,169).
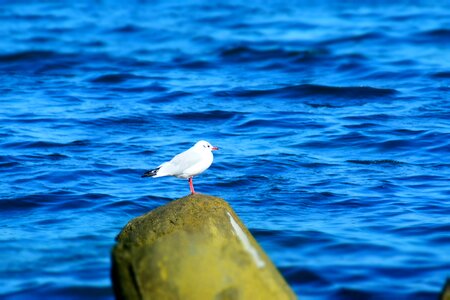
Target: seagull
(187,164)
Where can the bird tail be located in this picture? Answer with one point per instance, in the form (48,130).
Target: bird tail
(151,173)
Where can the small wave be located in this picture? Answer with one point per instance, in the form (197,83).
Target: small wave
(129,28)
(52,156)
(395,144)
(45,144)
(140,89)
(9,164)
(437,33)
(196,64)
(252,54)
(246,51)
(361,126)
(39,39)
(302,276)
(435,36)
(443,75)
(30,118)
(206,115)
(312,90)
(369,36)
(233,183)
(344,92)
(130,120)
(315,165)
(95,196)
(67,291)
(94,44)
(376,162)
(33,17)
(53,201)
(167,97)
(25,202)
(127,171)
(361,247)
(135,206)
(116,78)
(260,123)
(189,62)
(373,117)
(356,294)
(321,105)
(27,56)
(350,138)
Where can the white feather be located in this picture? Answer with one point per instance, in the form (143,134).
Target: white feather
(189,163)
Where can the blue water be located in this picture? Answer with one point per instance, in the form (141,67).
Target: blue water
(333,122)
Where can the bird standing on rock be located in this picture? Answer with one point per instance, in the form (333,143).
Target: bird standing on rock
(187,164)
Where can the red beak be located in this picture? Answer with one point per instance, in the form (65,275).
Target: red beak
(215,148)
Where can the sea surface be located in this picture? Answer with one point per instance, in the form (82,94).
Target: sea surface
(332,118)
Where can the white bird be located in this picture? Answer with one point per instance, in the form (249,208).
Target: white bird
(187,164)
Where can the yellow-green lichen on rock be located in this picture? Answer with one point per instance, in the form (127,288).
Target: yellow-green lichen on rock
(193,248)
(445,294)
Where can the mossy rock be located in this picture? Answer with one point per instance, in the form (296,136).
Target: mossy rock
(445,294)
(193,248)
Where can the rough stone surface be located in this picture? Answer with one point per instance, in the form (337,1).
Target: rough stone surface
(193,248)
(445,294)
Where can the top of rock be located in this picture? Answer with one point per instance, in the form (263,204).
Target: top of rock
(187,212)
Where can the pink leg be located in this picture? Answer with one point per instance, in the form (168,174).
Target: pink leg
(191,185)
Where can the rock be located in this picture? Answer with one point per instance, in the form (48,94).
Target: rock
(445,294)
(193,248)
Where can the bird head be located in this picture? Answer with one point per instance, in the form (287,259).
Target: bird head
(206,145)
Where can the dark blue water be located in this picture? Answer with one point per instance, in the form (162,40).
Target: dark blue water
(333,122)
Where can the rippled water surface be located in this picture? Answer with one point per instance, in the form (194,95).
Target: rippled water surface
(333,122)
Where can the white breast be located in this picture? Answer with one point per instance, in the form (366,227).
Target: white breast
(199,167)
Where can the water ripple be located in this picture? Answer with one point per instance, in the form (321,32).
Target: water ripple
(332,122)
